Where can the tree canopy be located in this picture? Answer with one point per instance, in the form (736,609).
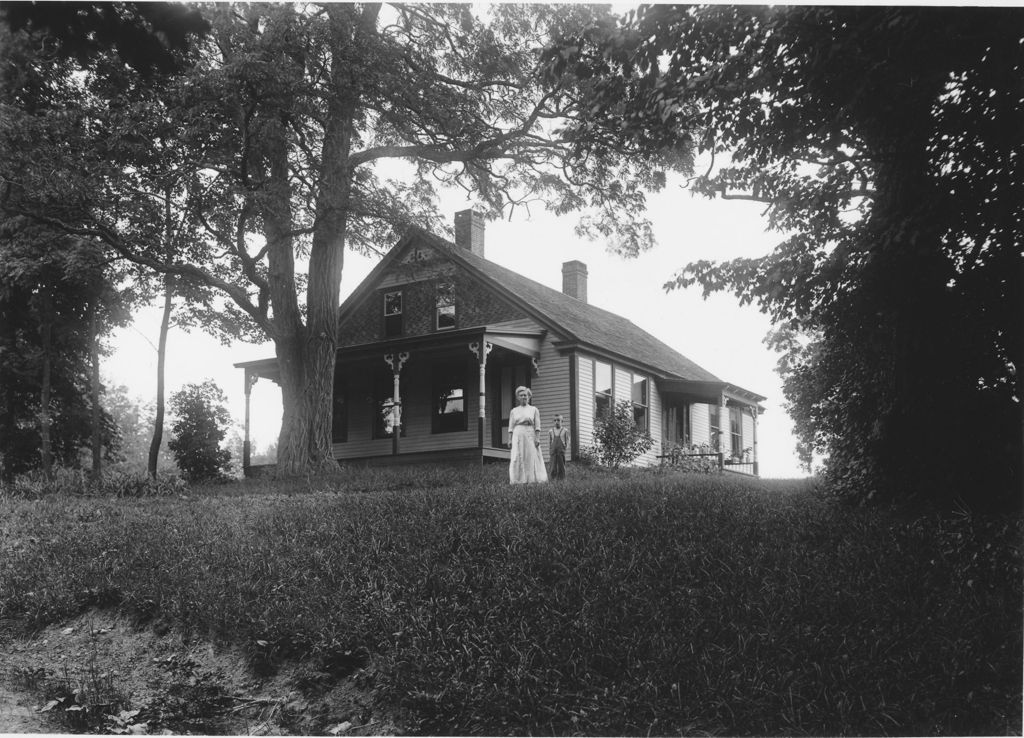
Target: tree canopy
(297,131)
(885,144)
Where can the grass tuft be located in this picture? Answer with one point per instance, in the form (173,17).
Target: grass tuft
(622,603)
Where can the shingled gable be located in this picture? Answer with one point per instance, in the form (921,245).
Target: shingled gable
(581,323)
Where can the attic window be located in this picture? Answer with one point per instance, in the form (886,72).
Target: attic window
(445,306)
(392,314)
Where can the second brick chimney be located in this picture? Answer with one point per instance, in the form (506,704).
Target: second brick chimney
(469,231)
(574,279)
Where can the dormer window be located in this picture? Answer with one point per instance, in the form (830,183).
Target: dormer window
(392,314)
(445,306)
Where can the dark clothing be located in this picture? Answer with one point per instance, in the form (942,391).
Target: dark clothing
(558,440)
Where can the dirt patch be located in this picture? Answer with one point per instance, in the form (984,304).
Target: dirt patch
(99,673)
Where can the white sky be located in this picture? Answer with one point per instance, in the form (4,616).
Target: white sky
(719,334)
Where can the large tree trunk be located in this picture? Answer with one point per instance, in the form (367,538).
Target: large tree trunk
(161,359)
(94,389)
(327,256)
(289,333)
(306,354)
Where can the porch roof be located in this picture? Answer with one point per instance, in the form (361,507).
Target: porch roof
(525,342)
(711,392)
(264,368)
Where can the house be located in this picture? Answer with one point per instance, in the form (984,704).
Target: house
(435,340)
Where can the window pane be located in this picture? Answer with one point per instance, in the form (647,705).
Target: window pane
(602,378)
(452,402)
(449,404)
(640,417)
(445,294)
(446,317)
(392,303)
(639,390)
(602,405)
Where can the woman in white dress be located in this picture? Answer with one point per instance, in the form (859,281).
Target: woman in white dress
(526,464)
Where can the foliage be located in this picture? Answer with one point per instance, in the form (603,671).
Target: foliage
(883,142)
(296,131)
(145,35)
(624,604)
(50,287)
(200,425)
(618,438)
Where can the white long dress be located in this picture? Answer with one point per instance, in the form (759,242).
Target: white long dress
(526,464)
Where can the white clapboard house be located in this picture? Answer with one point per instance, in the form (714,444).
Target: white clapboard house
(450,335)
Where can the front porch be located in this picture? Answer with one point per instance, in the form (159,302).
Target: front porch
(440,397)
(710,425)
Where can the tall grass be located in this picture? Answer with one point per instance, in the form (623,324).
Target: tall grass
(611,604)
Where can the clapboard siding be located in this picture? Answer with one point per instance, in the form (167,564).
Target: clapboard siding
(700,423)
(585,402)
(417,411)
(657,425)
(622,383)
(551,389)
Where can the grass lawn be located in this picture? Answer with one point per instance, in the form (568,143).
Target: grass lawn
(627,604)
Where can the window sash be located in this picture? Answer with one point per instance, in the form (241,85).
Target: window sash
(604,388)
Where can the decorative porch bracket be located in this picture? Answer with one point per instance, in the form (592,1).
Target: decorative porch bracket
(396,363)
(481,353)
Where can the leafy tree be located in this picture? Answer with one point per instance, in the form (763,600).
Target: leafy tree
(885,144)
(53,296)
(282,123)
(619,440)
(200,426)
(144,35)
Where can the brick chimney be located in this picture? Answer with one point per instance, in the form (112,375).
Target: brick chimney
(469,231)
(574,279)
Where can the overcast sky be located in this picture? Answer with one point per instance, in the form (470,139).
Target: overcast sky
(719,334)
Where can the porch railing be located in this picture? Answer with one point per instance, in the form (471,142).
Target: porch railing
(704,459)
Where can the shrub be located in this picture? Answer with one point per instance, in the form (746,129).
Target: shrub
(200,427)
(618,438)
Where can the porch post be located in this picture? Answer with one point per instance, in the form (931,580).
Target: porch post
(481,349)
(250,380)
(396,399)
(724,429)
(753,412)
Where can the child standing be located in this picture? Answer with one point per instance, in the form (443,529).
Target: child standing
(558,444)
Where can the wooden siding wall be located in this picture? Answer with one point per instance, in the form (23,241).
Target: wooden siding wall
(551,391)
(748,432)
(585,403)
(416,413)
(700,423)
(622,384)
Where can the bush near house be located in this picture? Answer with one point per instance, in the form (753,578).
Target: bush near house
(618,438)
(200,426)
(625,603)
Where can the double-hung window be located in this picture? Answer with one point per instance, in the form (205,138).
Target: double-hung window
(392,314)
(445,306)
(640,398)
(602,389)
(449,390)
(714,418)
(736,430)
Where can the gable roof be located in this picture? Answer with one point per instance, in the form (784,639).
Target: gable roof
(580,322)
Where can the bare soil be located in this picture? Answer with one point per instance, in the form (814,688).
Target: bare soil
(100,673)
